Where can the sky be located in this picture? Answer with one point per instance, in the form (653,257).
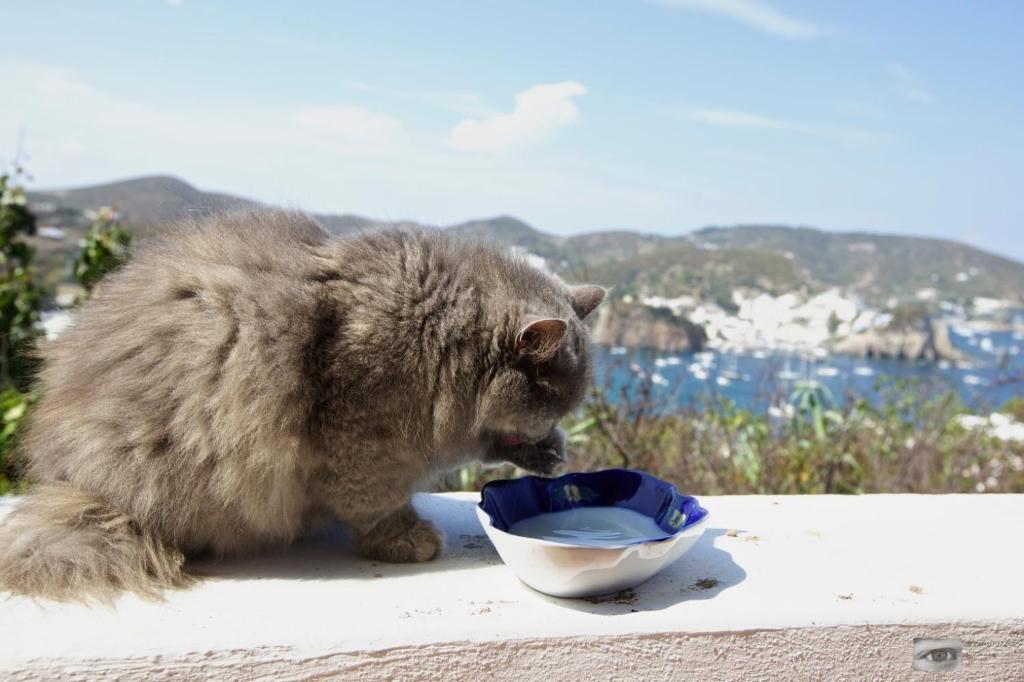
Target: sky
(653,115)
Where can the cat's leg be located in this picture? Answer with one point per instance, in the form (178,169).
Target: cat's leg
(377,508)
(400,536)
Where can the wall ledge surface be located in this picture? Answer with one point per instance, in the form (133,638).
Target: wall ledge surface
(786,587)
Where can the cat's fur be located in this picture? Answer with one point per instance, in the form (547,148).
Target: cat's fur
(250,376)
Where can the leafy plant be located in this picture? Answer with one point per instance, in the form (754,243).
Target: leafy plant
(910,439)
(578,433)
(1014,407)
(13,410)
(20,301)
(20,298)
(814,406)
(104,249)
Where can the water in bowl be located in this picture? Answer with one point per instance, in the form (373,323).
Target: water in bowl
(590,527)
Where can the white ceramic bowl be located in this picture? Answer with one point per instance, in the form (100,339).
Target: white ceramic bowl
(567,570)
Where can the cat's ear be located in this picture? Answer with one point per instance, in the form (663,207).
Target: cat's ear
(540,338)
(585,298)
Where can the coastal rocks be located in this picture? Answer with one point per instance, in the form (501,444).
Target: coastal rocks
(927,341)
(640,326)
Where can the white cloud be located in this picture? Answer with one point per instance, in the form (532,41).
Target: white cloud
(859,108)
(754,13)
(307,155)
(919,95)
(175,3)
(74,129)
(900,72)
(466,103)
(732,118)
(539,111)
(739,119)
(908,84)
(349,123)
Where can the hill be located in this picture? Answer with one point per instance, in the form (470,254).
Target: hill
(707,264)
(878,267)
(148,202)
(143,202)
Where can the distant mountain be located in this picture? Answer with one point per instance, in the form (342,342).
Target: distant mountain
(880,266)
(148,202)
(712,262)
(707,264)
(506,229)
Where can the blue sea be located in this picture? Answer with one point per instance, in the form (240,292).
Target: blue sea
(762,379)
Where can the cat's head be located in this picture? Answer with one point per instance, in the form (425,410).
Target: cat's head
(543,364)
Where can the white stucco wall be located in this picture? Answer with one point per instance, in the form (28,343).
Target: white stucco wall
(779,587)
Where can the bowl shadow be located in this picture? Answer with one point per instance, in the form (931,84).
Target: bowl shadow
(702,573)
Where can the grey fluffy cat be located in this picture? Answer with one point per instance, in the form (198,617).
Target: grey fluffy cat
(249,377)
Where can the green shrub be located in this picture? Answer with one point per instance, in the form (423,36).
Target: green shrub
(105,249)
(13,410)
(20,301)
(909,441)
(1014,407)
(20,298)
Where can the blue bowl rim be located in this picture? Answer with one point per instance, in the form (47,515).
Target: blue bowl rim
(672,500)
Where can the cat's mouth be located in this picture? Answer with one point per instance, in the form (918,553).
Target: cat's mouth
(512,440)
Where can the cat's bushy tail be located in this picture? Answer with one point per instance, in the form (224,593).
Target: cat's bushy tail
(65,544)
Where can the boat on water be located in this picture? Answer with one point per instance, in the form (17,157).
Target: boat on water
(698,371)
(739,375)
(731,371)
(787,373)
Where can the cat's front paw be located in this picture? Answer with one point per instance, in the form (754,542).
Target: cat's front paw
(542,457)
(421,542)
